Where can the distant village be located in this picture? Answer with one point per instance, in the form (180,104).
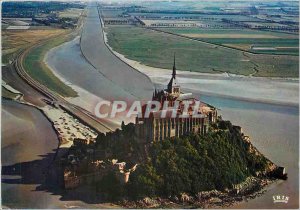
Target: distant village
(35,15)
(263,17)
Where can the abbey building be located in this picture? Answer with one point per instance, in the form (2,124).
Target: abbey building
(163,123)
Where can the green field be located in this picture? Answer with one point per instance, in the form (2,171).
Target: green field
(282,46)
(283,43)
(36,68)
(156,49)
(111,13)
(228,31)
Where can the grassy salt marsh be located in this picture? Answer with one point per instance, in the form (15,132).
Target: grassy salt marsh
(156,49)
(244,39)
(36,68)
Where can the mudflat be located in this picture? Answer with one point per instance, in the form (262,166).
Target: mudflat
(97,53)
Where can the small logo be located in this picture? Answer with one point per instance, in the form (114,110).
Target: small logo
(280,199)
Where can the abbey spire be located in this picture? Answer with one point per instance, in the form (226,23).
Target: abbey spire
(173,87)
(174,68)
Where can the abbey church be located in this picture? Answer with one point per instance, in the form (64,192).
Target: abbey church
(157,128)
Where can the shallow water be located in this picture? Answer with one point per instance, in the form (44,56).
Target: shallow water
(26,133)
(27,136)
(265,90)
(68,63)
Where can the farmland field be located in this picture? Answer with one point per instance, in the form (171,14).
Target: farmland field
(70,13)
(111,13)
(249,40)
(156,49)
(198,16)
(12,41)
